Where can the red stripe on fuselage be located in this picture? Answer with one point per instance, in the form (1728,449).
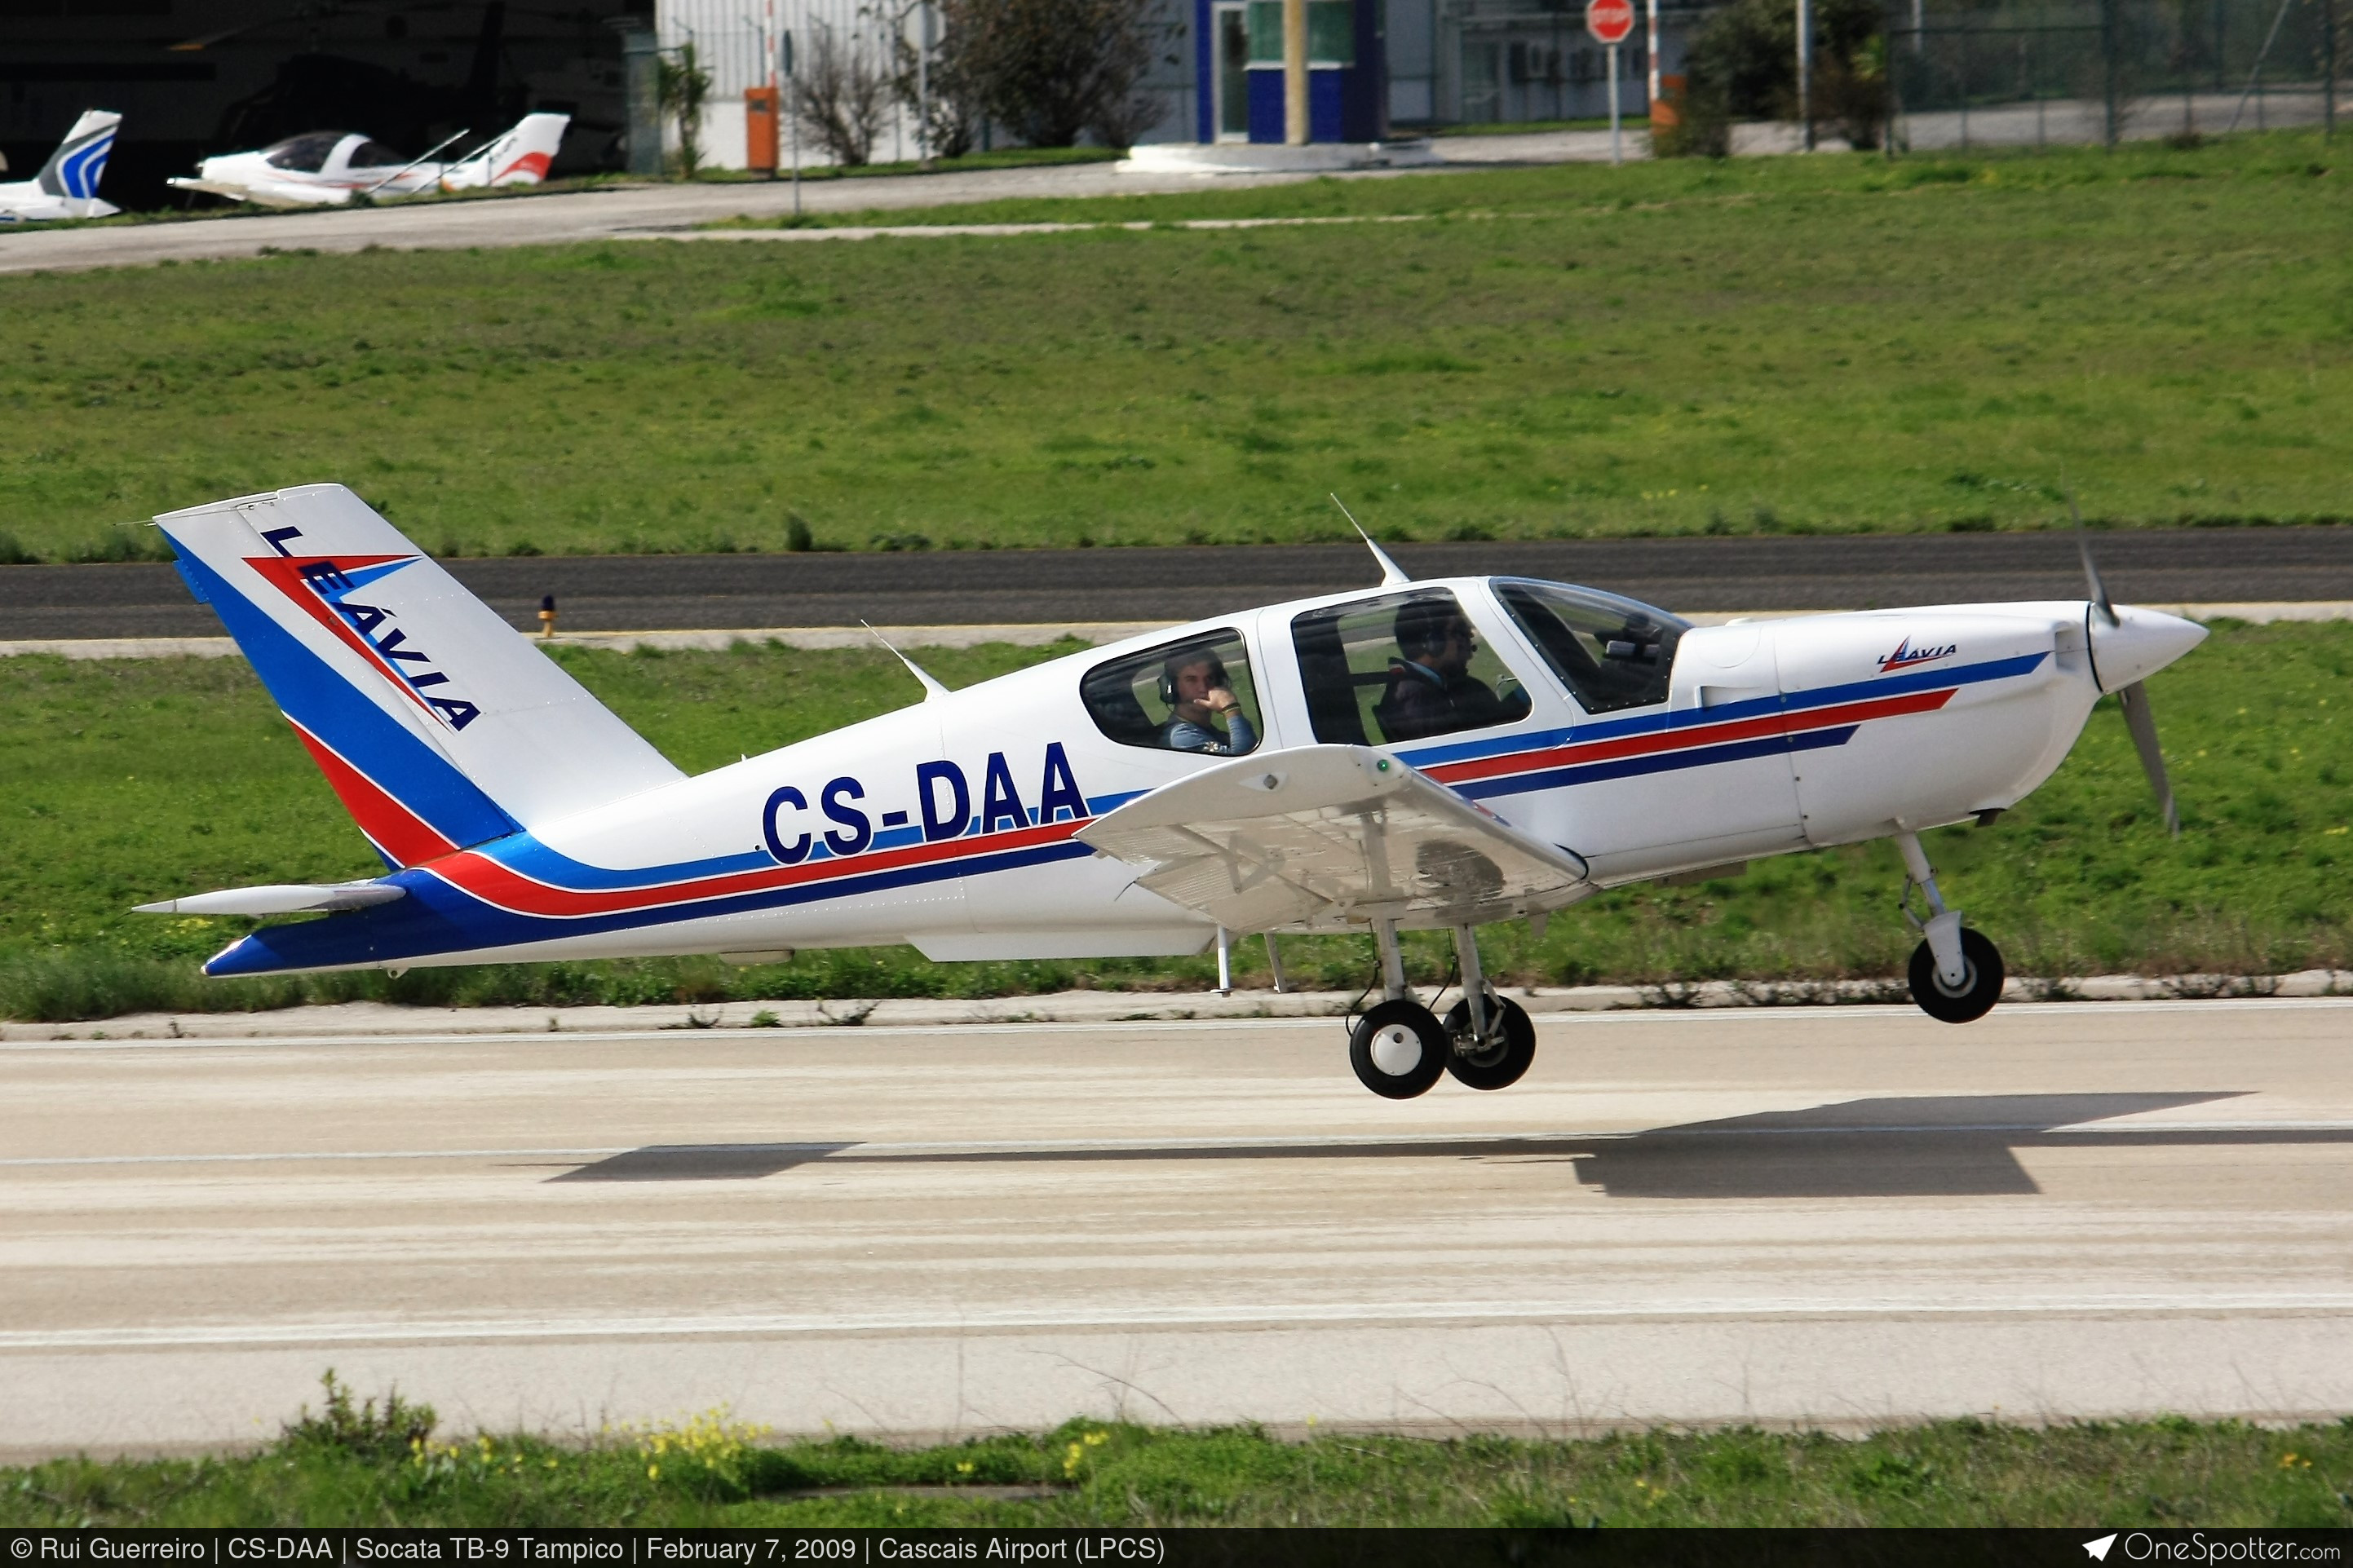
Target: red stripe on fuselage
(391,826)
(1692,739)
(470,871)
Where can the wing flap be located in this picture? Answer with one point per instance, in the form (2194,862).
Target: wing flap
(1316,836)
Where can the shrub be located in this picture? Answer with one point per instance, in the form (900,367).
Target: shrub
(1049,69)
(1742,65)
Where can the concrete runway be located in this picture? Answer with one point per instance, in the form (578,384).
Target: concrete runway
(1060,587)
(1845,1216)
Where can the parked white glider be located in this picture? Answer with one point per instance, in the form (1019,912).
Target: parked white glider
(66,187)
(1422,756)
(328,167)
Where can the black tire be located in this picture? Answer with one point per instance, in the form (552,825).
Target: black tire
(1388,1027)
(1503,1060)
(1980,988)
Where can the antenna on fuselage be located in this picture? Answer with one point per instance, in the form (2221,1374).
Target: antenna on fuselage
(1392,574)
(933,690)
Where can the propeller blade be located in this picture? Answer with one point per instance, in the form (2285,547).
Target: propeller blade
(2091,571)
(2142,723)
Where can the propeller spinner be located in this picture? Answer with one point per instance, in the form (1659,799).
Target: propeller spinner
(2126,645)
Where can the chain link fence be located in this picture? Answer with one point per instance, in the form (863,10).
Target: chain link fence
(2021,73)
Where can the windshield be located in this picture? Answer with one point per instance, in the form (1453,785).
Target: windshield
(1611,653)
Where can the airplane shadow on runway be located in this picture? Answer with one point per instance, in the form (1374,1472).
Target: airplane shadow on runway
(1900,1146)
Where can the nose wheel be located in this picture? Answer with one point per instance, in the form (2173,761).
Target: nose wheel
(1979,989)
(1955,974)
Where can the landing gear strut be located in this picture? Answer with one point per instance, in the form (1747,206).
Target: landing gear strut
(1956,974)
(1400,1049)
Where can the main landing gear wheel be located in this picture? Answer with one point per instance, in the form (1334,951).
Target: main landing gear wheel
(1500,1060)
(1398,1050)
(1980,987)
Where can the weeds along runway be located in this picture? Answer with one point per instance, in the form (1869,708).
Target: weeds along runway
(1844,1216)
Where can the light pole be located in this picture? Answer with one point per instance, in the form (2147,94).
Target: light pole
(1295,72)
(1806,69)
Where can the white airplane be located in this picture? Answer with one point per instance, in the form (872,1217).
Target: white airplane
(1418,755)
(327,168)
(66,187)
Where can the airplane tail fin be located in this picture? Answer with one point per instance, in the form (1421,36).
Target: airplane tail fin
(74,170)
(520,157)
(437,724)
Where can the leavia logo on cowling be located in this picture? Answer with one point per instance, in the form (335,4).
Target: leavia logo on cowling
(1906,656)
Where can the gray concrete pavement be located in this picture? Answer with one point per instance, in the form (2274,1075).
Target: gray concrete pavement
(567,216)
(1843,1216)
(1162,584)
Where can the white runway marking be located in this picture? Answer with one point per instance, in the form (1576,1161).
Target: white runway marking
(1268,1315)
(1439,1144)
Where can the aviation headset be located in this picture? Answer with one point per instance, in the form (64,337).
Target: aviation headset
(1186,660)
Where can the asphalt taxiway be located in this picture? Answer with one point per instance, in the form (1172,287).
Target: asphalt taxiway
(1843,1216)
(1166,583)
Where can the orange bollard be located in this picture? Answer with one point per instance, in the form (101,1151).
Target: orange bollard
(547,616)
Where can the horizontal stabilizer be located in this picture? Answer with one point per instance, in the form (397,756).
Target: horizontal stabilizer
(1317,836)
(279,898)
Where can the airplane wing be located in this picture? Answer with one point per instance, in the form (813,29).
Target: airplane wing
(1315,835)
(270,196)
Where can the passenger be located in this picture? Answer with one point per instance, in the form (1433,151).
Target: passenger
(1431,690)
(1195,686)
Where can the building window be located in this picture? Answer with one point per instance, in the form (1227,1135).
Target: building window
(1331,32)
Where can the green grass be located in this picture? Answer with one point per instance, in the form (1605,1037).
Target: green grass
(1831,344)
(2165,1473)
(123,781)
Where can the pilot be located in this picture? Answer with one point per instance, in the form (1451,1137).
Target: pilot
(1195,686)
(1431,690)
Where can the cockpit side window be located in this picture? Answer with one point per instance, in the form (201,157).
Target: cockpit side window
(375,155)
(1194,695)
(304,154)
(1400,667)
(1611,653)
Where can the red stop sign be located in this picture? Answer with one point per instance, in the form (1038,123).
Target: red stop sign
(1609,21)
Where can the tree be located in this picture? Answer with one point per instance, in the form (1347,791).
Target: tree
(1049,69)
(940,96)
(843,93)
(680,87)
(1742,65)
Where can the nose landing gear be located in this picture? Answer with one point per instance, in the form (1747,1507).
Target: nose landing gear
(1400,1049)
(1956,974)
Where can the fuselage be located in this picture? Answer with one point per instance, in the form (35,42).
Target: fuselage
(949,824)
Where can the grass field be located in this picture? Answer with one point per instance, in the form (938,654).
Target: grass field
(1828,343)
(123,781)
(711,1470)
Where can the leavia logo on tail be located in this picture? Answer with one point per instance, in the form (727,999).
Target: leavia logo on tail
(322,585)
(1906,656)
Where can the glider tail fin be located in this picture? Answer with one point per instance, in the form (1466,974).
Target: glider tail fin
(520,157)
(437,724)
(74,170)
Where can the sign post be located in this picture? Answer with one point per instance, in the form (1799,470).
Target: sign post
(1611,22)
